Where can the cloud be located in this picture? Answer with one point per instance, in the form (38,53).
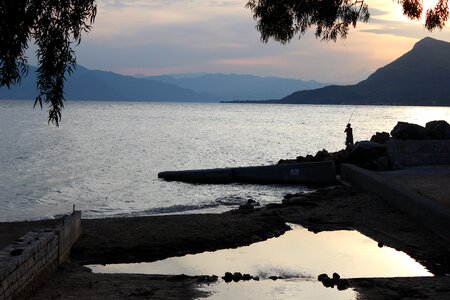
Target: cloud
(178,36)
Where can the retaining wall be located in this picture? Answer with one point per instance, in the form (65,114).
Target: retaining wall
(431,214)
(418,153)
(32,258)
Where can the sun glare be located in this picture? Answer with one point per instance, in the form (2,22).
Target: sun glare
(423,115)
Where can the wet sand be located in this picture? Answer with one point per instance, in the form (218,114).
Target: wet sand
(119,240)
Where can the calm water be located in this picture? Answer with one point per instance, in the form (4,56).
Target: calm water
(299,256)
(106,155)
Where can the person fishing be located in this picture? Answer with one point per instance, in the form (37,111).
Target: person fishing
(349,138)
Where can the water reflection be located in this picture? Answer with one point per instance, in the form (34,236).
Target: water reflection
(297,253)
(281,289)
(299,256)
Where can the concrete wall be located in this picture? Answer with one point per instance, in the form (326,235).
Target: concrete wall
(32,258)
(68,232)
(315,172)
(418,153)
(434,216)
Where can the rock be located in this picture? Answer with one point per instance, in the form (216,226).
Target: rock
(289,196)
(237,276)
(328,282)
(365,153)
(322,277)
(228,277)
(380,137)
(438,130)
(251,204)
(309,158)
(321,155)
(273,277)
(408,131)
(336,276)
(247,277)
(300,159)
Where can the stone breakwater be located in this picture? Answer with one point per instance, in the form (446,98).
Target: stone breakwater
(405,146)
(34,257)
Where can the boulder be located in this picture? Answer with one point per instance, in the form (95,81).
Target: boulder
(408,131)
(438,130)
(365,154)
(247,277)
(336,276)
(237,276)
(228,277)
(328,282)
(322,277)
(322,155)
(380,137)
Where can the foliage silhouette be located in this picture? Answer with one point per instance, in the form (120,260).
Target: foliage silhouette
(54,26)
(283,19)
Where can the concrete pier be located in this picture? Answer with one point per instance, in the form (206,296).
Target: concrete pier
(322,173)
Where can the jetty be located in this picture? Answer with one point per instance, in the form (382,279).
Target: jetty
(320,173)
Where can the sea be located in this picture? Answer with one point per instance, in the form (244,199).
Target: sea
(105,157)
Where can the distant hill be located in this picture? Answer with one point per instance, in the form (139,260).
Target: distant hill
(235,86)
(419,77)
(87,84)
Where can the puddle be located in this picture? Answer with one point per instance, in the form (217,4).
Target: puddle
(299,256)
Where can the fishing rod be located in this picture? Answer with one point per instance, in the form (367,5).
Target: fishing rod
(352,114)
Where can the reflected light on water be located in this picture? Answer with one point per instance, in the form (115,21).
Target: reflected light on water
(298,256)
(422,115)
(298,253)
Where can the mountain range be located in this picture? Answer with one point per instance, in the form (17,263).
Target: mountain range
(236,86)
(419,77)
(85,84)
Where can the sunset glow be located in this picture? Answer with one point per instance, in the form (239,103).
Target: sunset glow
(199,36)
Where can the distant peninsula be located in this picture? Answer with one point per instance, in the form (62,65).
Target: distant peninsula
(419,77)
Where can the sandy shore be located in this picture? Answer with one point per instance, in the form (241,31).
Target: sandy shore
(116,240)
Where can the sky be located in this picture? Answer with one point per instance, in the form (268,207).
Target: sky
(154,37)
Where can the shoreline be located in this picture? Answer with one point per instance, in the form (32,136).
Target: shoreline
(139,239)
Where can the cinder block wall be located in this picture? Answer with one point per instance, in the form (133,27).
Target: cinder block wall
(32,258)
(27,262)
